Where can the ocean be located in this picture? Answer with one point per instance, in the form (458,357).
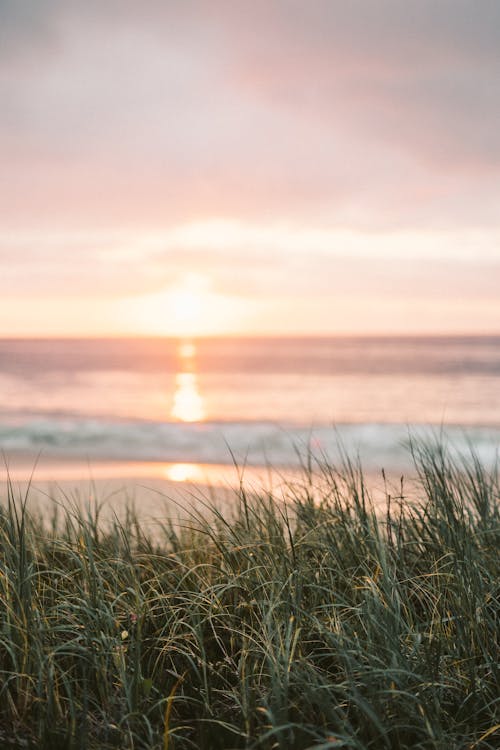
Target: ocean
(256,401)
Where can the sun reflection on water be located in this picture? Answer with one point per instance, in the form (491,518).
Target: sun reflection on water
(187,350)
(183,473)
(187,403)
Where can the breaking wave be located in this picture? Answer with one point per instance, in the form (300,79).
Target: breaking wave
(252,443)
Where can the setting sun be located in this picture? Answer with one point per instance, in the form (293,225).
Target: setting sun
(188,302)
(189,307)
(186,306)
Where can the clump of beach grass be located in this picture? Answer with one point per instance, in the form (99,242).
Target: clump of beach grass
(303,622)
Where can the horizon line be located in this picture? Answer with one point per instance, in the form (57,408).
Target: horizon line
(256,335)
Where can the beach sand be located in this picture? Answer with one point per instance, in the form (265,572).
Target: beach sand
(158,491)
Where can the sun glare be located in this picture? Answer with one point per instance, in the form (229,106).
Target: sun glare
(188,404)
(188,308)
(188,303)
(187,351)
(183,473)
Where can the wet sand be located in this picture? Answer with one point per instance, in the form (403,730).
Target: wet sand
(158,491)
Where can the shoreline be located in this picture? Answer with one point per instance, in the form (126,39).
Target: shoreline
(160,490)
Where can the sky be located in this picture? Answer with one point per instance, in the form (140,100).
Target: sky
(249,167)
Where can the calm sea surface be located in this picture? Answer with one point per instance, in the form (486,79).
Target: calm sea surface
(261,399)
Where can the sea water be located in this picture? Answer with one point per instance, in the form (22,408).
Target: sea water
(254,400)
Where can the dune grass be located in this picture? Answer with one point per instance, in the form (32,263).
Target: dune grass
(314,623)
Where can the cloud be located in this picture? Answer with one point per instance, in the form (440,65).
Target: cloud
(26,27)
(422,76)
(348,114)
(253,263)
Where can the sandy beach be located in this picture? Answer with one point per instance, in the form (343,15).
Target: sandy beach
(160,491)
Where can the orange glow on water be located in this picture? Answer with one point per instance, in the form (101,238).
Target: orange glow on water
(187,350)
(188,403)
(183,473)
